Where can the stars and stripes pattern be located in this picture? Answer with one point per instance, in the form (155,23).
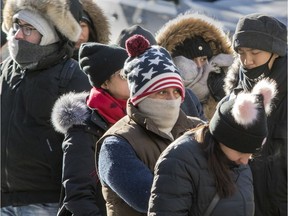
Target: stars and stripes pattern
(150,72)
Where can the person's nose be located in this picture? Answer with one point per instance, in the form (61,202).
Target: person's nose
(198,62)
(248,60)
(244,159)
(19,34)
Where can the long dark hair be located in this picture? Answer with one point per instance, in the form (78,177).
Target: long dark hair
(218,163)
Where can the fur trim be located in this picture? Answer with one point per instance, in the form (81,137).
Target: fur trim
(100,21)
(56,11)
(70,109)
(209,107)
(232,77)
(189,25)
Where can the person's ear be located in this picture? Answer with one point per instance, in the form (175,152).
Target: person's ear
(105,85)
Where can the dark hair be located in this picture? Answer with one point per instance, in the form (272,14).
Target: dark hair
(218,163)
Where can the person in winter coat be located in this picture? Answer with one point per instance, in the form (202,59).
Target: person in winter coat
(41,37)
(94,24)
(191,105)
(84,118)
(129,149)
(261,45)
(206,171)
(202,51)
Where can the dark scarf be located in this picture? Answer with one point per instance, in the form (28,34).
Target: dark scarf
(278,73)
(110,108)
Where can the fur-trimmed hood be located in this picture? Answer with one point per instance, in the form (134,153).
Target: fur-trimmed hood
(189,25)
(70,109)
(56,11)
(99,19)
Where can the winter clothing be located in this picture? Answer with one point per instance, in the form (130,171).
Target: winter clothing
(126,165)
(43,26)
(82,127)
(259,31)
(100,28)
(98,24)
(193,48)
(160,71)
(244,117)
(28,140)
(183,183)
(155,121)
(192,25)
(191,105)
(132,30)
(56,11)
(85,118)
(270,167)
(100,61)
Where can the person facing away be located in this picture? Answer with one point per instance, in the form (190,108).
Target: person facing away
(202,52)
(191,105)
(260,42)
(128,151)
(84,118)
(94,24)
(210,163)
(37,72)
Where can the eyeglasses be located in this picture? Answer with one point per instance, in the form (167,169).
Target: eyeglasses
(120,74)
(27,30)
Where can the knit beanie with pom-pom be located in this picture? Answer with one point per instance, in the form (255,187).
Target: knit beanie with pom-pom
(241,123)
(149,69)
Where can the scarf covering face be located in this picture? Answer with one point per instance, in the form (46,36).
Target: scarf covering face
(28,55)
(110,108)
(164,113)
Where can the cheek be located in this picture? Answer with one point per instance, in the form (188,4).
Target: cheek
(36,39)
(86,34)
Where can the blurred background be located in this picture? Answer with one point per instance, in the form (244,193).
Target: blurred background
(152,14)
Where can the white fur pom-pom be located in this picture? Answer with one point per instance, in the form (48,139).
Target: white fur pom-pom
(267,88)
(244,109)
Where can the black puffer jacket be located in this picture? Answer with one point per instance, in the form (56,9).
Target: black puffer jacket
(82,128)
(31,152)
(183,186)
(270,168)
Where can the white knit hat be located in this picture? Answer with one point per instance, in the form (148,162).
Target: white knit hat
(46,29)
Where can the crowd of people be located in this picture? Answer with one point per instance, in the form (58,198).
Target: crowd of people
(187,121)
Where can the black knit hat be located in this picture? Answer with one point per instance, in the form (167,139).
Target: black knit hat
(241,123)
(86,18)
(100,61)
(261,32)
(192,48)
(133,30)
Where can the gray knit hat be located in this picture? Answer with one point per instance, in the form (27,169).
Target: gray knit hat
(133,30)
(261,32)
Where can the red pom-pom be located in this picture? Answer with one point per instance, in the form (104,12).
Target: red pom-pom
(136,45)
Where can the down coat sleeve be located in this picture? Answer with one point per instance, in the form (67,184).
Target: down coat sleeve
(79,176)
